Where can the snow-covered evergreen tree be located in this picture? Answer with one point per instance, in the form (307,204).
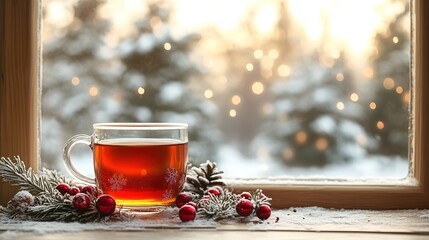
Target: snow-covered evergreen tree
(148,77)
(388,119)
(74,78)
(314,122)
(161,82)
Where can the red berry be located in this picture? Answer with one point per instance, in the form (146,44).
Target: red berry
(73,191)
(192,204)
(63,188)
(263,212)
(90,190)
(182,199)
(81,201)
(246,195)
(187,213)
(214,191)
(105,204)
(244,207)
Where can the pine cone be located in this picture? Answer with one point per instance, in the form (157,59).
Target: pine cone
(199,179)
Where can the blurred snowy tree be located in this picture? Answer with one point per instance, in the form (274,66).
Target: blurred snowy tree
(161,83)
(72,76)
(147,77)
(251,68)
(388,117)
(313,122)
(318,117)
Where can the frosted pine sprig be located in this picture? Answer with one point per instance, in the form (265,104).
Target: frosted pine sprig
(220,207)
(16,173)
(49,204)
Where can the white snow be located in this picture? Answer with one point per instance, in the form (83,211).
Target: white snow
(125,48)
(143,114)
(301,219)
(146,43)
(171,92)
(324,124)
(236,165)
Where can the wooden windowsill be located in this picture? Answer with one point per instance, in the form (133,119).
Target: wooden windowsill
(214,234)
(296,223)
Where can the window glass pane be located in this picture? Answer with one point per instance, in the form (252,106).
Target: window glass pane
(268,88)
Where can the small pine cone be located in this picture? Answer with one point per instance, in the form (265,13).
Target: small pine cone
(199,179)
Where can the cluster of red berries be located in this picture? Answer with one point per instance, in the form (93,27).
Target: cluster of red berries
(82,196)
(244,206)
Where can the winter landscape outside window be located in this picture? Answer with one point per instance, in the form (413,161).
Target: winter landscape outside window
(268,86)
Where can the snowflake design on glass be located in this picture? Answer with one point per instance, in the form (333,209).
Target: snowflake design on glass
(168,194)
(172,175)
(117,181)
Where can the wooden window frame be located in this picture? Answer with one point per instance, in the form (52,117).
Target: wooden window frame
(20,110)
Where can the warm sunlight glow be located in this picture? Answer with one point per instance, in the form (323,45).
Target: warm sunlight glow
(321,144)
(340,106)
(354,97)
(236,100)
(140,91)
(347,29)
(388,83)
(258,53)
(208,93)
(399,89)
(395,39)
(196,13)
(75,81)
(368,72)
(167,46)
(301,137)
(273,53)
(232,113)
(283,70)
(406,98)
(59,14)
(257,88)
(265,18)
(340,77)
(380,125)
(93,91)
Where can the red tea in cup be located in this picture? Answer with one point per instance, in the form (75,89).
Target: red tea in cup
(141,172)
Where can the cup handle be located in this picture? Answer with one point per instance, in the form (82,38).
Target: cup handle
(81,138)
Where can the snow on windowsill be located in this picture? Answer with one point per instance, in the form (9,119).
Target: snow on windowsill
(322,180)
(291,219)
